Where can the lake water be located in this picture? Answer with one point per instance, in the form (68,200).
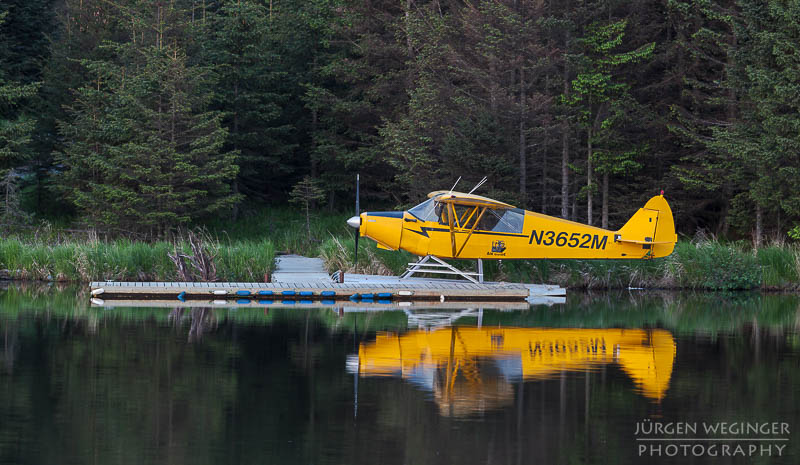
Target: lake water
(607,378)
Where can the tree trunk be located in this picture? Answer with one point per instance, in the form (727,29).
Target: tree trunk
(523,169)
(605,201)
(235,209)
(574,208)
(408,27)
(545,145)
(565,142)
(589,177)
(314,124)
(759,230)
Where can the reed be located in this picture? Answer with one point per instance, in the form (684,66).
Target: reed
(125,260)
(706,265)
(245,251)
(780,265)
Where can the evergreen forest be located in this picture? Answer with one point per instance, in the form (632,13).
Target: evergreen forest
(144,116)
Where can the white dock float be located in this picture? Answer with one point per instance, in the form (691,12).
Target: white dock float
(296,268)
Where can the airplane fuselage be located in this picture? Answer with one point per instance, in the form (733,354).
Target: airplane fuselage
(476,232)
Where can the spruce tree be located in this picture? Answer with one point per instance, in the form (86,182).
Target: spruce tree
(15,136)
(763,145)
(240,44)
(604,99)
(142,152)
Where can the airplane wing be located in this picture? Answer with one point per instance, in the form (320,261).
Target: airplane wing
(461,198)
(480,204)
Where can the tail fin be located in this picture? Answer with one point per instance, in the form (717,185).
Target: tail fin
(652,225)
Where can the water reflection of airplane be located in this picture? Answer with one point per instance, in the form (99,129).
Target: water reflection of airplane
(470,369)
(433,317)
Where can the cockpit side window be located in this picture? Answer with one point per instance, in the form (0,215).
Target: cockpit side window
(503,220)
(425,211)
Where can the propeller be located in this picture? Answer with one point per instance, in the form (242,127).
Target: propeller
(355,221)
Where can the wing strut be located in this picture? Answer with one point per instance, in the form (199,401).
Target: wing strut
(451,211)
(472,230)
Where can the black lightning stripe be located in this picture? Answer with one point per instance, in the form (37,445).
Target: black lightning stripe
(425,229)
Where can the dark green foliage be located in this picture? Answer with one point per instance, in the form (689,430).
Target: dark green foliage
(251,89)
(720,267)
(16,124)
(142,153)
(554,101)
(23,37)
(605,104)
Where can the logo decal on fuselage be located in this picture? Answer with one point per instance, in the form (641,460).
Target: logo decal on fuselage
(498,248)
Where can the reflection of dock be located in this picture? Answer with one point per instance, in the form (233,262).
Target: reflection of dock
(343,306)
(454,362)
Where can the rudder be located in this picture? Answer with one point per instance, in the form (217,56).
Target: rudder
(654,224)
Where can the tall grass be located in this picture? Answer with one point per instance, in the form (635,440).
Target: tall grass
(245,251)
(125,260)
(780,265)
(702,265)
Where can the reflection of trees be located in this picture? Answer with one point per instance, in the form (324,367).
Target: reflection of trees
(201,320)
(9,346)
(272,388)
(128,389)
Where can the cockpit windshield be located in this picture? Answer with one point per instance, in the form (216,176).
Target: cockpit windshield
(426,211)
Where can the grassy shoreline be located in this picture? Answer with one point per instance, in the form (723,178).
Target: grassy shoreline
(245,251)
(701,266)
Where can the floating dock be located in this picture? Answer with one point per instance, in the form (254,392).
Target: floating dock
(303,280)
(447,291)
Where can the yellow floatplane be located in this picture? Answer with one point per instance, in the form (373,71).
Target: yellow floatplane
(467,226)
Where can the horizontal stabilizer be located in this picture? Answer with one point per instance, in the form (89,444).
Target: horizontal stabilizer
(632,241)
